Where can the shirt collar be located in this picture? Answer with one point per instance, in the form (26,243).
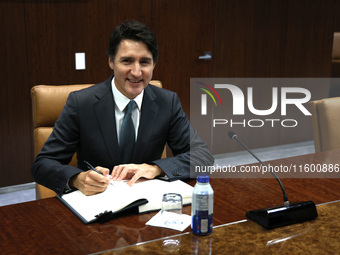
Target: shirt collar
(122,101)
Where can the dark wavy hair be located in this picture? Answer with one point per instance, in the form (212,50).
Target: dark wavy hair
(136,31)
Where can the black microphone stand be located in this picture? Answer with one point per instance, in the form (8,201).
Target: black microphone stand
(277,216)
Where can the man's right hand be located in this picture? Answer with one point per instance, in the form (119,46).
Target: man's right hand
(90,182)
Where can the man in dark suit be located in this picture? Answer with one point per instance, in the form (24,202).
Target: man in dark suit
(93,119)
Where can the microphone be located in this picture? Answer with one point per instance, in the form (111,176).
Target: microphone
(282,215)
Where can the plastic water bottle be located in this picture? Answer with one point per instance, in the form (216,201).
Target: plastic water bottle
(202,207)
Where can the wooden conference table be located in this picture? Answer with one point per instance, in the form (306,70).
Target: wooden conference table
(47,227)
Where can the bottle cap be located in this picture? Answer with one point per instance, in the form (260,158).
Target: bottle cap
(203,178)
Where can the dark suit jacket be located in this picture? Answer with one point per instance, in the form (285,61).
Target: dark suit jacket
(87,126)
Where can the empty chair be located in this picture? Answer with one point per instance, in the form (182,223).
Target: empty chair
(326,123)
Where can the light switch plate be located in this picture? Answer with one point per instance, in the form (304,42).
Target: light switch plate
(80,60)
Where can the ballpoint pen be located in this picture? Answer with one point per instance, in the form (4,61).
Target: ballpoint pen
(91,167)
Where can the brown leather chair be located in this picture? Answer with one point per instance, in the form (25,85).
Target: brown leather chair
(326,123)
(334,87)
(47,104)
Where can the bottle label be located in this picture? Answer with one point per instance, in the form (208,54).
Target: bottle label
(202,225)
(204,203)
(202,214)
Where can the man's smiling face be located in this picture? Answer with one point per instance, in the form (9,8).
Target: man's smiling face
(133,67)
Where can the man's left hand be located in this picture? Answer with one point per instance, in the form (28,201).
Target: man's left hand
(135,171)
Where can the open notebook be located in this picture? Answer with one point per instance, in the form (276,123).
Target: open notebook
(146,194)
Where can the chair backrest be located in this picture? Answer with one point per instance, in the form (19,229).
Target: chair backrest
(334,87)
(326,123)
(47,104)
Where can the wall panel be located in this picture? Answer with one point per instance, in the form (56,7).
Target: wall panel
(59,29)
(185,31)
(15,114)
(281,39)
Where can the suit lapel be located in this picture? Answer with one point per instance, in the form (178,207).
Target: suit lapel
(104,109)
(145,130)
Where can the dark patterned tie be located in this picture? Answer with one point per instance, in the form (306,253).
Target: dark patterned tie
(127,135)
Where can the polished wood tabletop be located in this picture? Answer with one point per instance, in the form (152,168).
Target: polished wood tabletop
(47,227)
(319,236)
